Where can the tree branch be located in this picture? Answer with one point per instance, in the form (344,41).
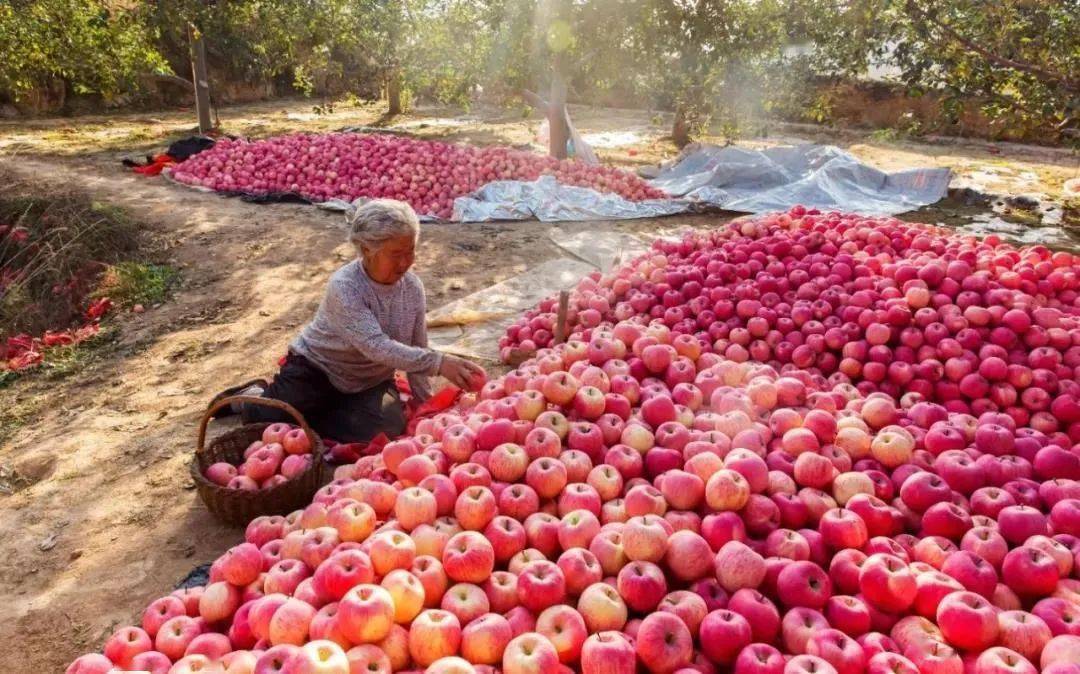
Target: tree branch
(1040,73)
(170,79)
(534,100)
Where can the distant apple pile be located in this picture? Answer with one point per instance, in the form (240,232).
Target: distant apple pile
(428,175)
(283,454)
(887,305)
(691,514)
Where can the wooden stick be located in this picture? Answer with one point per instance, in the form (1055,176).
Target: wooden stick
(560,319)
(199,78)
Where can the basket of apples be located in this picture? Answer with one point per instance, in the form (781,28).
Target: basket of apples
(257,469)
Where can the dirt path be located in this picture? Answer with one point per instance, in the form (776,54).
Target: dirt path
(109,446)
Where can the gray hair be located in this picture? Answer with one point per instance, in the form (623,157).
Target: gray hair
(375,222)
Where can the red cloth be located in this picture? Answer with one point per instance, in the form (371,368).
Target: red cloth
(350,452)
(154,168)
(443,400)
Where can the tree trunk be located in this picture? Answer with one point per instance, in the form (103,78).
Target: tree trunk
(393,92)
(200,78)
(559,132)
(680,129)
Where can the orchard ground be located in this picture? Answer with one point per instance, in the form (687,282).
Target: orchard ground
(97,514)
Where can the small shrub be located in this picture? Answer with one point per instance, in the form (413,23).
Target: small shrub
(130,283)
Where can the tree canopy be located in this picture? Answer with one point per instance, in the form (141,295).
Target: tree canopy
(1021,59)
(711,61)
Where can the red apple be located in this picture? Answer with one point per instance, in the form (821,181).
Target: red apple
(968,621)
(541,584)
(366,613)
(501,590)
(433,634)
(723,635)
(797,627)
(530,653)
(848,614)
(581,569)
(642,586)
(890,663)
(663,643)
(1030,572)
(737,566)
(125,643)
(608,652)
(602,608)
(887,583)
(468,558)
(341,572)
(391,550)
(484,640)
(837,649)
(1024,633)
(565,629)
(466,601)
(1001,660)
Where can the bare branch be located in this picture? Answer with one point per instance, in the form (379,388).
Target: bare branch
(170,79)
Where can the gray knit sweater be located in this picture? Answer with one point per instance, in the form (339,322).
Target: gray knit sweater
(364,331)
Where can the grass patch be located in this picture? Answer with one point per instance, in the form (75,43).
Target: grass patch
(886,135)
(19,410)
(1070,208)
(130,283)
(14,418)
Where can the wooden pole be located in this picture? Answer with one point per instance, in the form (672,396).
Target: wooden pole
(200,78)
(560,317)
(559,133)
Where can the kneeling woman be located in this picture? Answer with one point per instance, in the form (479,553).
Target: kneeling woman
(339,372)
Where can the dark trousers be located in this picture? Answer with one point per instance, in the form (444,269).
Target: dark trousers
(345,417)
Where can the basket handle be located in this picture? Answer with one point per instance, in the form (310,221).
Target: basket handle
(255,400)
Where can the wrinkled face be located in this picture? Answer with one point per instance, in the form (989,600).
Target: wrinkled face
(389,262)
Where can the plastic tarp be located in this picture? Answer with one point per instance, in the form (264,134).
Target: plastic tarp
(816,176)
(547,200)
(468,327)
(709,177)
(704,178)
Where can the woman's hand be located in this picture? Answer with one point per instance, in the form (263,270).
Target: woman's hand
(462,373)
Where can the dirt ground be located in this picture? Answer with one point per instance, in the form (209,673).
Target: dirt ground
(103,518)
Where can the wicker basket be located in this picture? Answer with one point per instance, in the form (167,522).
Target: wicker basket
(238,507)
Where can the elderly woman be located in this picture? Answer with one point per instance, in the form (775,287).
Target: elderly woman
(339,372)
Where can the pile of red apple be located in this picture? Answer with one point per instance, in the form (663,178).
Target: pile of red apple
(428,175)
(604,509)
(891,306)
(283,454)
